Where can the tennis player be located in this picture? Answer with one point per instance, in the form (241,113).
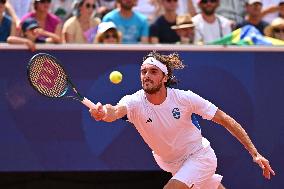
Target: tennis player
(162,116)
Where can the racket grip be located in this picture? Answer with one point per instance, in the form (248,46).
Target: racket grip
(88,103)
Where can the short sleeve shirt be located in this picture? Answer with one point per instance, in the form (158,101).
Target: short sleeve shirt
(167,128)
(132,28)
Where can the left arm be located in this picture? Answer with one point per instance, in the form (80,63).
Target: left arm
(237,131)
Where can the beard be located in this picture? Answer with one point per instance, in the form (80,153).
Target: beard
(209,12)
(153,89)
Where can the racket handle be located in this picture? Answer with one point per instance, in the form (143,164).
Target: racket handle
(88,103)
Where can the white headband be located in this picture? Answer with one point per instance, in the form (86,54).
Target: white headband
(153,61)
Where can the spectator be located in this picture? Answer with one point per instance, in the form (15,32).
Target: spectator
(104,7)
(275,29)
(7,25)
(160,30)
(32,33)
(47,21)
(150,8)
(82,27)
(210,26)
(233,10)
(185,29)
(133,25)
(62,9)
(254,16)
(270,10)
(108,34)
(281,9)
(187,6)
(17,9)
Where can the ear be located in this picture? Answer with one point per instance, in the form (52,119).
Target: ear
(165,79)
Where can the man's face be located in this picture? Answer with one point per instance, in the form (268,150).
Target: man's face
(152,78)
(170,5)
(254,9)
(184,33)
(208,7)
(2,6)
(127,4)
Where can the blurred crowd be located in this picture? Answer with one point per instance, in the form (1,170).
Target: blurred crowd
(135,21)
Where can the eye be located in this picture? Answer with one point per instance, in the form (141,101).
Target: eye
(143,72)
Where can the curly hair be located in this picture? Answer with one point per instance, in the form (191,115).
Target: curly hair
(172,61)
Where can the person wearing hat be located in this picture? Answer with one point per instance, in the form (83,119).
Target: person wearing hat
(185,29)
(32,33)
(275,29)
(254,16)
(108,34)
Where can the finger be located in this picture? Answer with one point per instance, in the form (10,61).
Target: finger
(260,164)
(267,165)
(266,173)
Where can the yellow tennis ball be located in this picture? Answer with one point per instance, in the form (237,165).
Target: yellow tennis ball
(115,77)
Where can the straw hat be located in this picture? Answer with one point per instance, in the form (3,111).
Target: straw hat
(183,21)
(268,31)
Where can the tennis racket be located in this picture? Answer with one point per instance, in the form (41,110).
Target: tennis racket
(48,77)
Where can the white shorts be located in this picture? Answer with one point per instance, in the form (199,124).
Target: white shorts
(196,170)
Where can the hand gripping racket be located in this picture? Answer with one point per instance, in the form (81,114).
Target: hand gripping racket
(48,77)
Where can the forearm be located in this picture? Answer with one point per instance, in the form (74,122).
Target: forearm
(236,130)
(113,113)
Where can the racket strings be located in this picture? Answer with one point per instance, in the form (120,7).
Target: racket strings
(48,77)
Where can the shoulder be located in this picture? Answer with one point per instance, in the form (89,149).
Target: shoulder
(28,15)
(95,21)
(7,19)
(53,18)
(224,21)
(111,15)
(179,93)
(139,16)
(70,21)
(197,18)
(132,98)
(160,20)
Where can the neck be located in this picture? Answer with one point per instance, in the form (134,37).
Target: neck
(84,19)
(170,16)
(209,18)
(125,13)
(41,15)
(157,98)
(254,20)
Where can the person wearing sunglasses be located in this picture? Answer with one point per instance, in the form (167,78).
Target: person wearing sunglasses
(82,27)
(45,19)
(108,34)
(7,25)
(275,29)
(210,26)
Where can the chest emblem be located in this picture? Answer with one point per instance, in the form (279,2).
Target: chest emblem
(176,113)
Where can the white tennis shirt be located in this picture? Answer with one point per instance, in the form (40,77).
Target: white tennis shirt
(167,128)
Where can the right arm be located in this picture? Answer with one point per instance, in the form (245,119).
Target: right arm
(108,113)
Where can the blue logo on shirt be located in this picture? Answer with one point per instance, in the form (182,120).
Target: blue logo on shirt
(176,113)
